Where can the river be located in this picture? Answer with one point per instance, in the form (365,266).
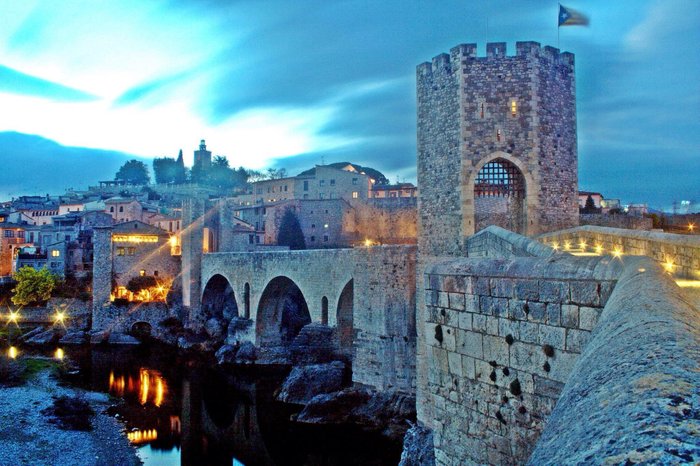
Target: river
(181,410)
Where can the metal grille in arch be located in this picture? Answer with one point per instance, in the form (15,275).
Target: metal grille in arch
(499,196)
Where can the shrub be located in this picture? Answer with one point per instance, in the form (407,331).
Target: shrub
(141,282)
(33,286)
(70,413)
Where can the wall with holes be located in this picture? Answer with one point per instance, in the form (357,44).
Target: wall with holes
(501,339)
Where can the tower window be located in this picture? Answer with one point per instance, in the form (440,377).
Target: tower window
(513,107)
(482,109)
(499,135)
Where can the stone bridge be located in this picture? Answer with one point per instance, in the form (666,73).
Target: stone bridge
(367,294)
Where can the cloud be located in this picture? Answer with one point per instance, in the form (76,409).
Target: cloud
(13,81)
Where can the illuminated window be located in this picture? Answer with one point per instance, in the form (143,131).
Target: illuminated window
(355,194)
(130,251)
(120,251)
(55,253)
(513,107)
(142,272)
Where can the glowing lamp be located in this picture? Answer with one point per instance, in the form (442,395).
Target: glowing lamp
(669,265)
(598,249)
(59,317)
(368,242)
(691,227)
(582,245)
(12,352)
(617,252)
(13,317)
(567,245)
(555,246)
(59,354)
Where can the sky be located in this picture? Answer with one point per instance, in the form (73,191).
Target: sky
(296,83)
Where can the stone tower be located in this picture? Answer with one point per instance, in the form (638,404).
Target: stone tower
(202,157)
(496,143)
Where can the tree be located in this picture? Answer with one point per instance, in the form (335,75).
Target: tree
(180,171)
(33,286)
(590,207)
(133,172)
(290,233)
(165,170)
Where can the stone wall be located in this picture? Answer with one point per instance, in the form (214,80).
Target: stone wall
(120,319)
(385,317)
(386,221)
(501,340)
(630,222)
(682,251)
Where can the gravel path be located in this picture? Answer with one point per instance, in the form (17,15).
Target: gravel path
(27,438)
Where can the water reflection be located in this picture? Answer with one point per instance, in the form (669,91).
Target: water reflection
(180,411)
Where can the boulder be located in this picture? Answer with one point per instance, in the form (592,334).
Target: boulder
(47,337)
(190,341)
(116,338)
(240,330)
(98,336)
(388,413)
(418,447)
(31,333)
(75,337)
(247,353)
(215,328)
(315,344)
(305,382)
(226,354)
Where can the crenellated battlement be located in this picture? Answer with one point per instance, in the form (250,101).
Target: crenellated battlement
(444,63)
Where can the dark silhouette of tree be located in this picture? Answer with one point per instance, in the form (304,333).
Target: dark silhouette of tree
(590,207)
(180,171)
(165,170)
(133,172)
(290,233)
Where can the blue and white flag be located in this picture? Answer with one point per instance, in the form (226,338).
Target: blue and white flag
(569,17)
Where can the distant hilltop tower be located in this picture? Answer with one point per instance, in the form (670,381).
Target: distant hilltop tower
(496,143)
(202,157)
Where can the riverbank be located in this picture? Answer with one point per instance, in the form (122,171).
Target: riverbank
(28,437)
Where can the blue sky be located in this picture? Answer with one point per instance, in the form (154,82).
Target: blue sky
(292,83)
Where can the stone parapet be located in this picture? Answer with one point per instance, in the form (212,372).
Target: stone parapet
(633,396)
(680,254)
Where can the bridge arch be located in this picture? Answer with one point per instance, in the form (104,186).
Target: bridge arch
(218,299)
(282,312)
(344,315)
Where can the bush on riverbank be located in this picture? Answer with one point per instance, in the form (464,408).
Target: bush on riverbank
(11,372)
(70,413)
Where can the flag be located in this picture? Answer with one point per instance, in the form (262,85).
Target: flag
(569,17)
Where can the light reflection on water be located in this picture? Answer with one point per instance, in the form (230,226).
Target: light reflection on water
(180,411)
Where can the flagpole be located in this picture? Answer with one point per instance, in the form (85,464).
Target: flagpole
(558,27)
